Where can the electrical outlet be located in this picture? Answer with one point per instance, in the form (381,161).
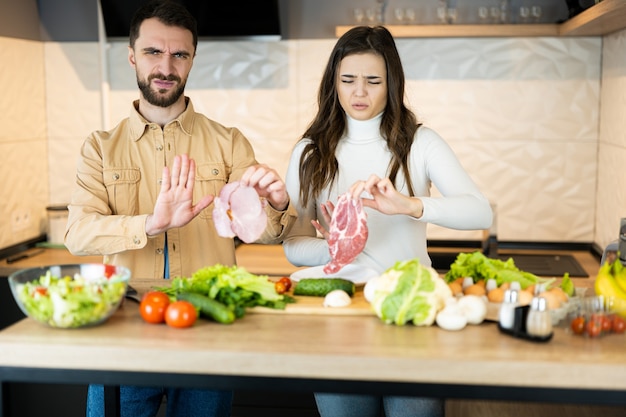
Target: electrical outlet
(21,220)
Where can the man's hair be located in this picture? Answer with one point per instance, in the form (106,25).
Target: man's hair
(169,12)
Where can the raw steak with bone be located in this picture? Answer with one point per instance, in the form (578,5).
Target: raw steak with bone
(239,212)
(348,232)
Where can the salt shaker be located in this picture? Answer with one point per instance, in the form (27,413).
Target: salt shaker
(506,315)
(539,320)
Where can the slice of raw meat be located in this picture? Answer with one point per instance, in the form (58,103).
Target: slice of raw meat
(348,232)
(239,212)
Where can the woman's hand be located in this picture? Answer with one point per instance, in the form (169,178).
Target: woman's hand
(385,198)
(327,212)
(267,184)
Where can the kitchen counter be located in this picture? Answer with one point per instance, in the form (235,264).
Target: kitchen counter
(317,352)
(46,256)
(304,353)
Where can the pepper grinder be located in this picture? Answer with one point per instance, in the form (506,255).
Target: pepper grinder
(539,320)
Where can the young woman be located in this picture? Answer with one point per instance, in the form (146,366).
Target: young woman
(365,141)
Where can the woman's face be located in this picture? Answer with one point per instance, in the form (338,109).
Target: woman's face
(362,85)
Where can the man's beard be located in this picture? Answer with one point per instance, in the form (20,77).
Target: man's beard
(156,99)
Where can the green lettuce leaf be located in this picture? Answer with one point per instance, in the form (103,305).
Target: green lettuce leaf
(232,286)
(479,267)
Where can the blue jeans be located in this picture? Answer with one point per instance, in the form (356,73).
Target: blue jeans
(352,405)
(145,402)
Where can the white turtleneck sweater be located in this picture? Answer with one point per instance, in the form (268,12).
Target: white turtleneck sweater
(392,238)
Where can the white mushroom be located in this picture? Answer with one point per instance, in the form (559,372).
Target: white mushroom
(451,318)
(473,307)
(337,298)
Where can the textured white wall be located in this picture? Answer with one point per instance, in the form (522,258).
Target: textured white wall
(23,145)
(611,195)
(521,113)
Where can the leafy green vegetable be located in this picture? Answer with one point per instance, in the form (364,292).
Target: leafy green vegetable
(408,292)
(480,267)
(567,285)
(232,286)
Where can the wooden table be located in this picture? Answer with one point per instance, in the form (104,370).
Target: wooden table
(316,353)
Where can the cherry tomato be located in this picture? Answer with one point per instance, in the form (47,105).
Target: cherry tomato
(578,325)
(619,324)
(109,270)
(153,306)
(287,282)
(607,323)
(594,328)
(40,291)
(180,314)
(280,287)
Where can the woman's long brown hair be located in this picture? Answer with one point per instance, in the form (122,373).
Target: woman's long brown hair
(318,165)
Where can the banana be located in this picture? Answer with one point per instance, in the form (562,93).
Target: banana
(607,285)
(619,273)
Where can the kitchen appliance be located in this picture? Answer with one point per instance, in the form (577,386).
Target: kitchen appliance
(575,7)
(617,246)
(217,20)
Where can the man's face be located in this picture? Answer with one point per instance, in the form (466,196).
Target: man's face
(162,58)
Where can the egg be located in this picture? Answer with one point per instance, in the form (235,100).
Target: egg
(552,300)
(455,287)
(496,295)
(559,293)
(524,297)
(475,289)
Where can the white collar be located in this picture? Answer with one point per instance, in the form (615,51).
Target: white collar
(364,130)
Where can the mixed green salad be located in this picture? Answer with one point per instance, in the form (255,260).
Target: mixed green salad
(70,302)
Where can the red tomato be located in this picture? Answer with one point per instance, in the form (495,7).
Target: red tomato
(153,306)
(607,323)
(280,287)
(180,314)
(286,282)
(578,325)
(619,324)
(40,291)
(594,328)
(109,270)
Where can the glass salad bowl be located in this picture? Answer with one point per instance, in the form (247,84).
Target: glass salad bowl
(70,296)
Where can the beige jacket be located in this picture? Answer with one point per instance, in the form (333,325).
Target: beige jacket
(117,184)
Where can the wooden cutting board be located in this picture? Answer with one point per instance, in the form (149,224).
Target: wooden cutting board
(359,307)
(314,305)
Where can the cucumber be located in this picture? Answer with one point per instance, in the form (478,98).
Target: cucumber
(319,287)
(208,307)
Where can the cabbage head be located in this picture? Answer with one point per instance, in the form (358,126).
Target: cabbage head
(408,292)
